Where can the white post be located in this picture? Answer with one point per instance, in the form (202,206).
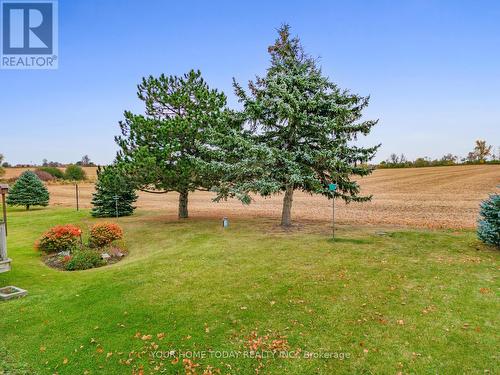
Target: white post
(3,242)
(4,261)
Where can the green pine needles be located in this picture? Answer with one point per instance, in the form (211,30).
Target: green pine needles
(488,229)
(28,191)
(309,126)
(114,195)
(168,149)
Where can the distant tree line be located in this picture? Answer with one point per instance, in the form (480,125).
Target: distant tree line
(83,162)
(49,171)
(481,154)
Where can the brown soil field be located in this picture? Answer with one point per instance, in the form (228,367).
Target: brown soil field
(439,197)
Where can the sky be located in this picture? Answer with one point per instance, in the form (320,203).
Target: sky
(431,68)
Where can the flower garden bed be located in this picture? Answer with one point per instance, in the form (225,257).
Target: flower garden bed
(63,247)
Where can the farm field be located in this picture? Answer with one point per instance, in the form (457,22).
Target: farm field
(91,172)
(436,197)
(403,301)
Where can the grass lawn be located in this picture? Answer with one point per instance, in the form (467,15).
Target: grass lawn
(420,302)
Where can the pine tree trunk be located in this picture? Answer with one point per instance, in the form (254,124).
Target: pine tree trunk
(27,207)
(183,204)
(286,213)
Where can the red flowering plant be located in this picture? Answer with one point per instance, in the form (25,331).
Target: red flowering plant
(59,238)
(103,234)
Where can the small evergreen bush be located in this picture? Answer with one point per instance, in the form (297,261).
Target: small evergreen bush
(488,229)
(112,183)
(59,238)
(83,260)
(56,172)
(103,234)
(28,191)
(74,173)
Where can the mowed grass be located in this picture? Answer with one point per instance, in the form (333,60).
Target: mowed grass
(420,302)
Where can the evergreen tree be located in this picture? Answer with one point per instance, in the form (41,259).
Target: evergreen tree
(169,149)
(113,190)
(308,124)
(28,191)
(488,229)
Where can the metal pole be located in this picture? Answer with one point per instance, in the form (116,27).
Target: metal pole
(77,202)
(116,205)
(4,207)
(333,216)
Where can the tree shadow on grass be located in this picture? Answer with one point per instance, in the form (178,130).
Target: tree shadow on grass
(357,241)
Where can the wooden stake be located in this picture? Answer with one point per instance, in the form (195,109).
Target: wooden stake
(77,202)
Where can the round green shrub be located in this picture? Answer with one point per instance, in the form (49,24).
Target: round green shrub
(83,260)
(488,229)
(75,173)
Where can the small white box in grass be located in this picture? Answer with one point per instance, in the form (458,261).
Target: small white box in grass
(225,222)
(9,292)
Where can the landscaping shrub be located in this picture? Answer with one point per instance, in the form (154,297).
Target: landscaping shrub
(28,191)
(59,238)
(103,234)
(74,172)
(44,176)
(56,172)
(83,260)
(488,229)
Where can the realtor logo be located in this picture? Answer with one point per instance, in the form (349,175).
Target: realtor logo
(29,34)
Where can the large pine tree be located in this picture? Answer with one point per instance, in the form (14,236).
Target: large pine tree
(28,191)
(113,192)
(308,124)
(168,148)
